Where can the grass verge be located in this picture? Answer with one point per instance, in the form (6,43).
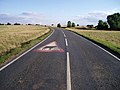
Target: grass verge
(109,40)
(19,50)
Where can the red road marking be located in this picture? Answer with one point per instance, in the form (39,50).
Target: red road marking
(50,47)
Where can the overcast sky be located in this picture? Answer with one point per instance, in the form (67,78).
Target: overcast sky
(82,12)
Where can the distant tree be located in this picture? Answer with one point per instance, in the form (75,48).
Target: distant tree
(52,24)
(58,25)
(1,24)
(69,24)
(90,26)
(29,24)
(8,23)
(73,24)
(37,24)
(17,24)
(78,25)
(105,25)
(114,21)
(102,25)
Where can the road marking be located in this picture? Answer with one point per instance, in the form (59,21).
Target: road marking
(68,72)
(50,47)
(66,42)
(106,51)
(25,52)
(63,33)
(99,47)
(68,65)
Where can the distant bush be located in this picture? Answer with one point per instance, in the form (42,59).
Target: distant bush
(17,24)
(58,25)
(1,24)
(8,23)
(37,24)
(90,26)
(29,24)
(73,24)
(102,25)
(78,25)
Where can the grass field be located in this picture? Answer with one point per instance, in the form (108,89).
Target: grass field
(111,39)
(14,38)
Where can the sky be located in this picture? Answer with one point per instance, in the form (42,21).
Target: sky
(49,12)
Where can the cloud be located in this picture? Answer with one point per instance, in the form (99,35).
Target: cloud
(25,17)
(4,18)
(31,17)
(93,17)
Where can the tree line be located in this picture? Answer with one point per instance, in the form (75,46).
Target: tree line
(10,24)
(18,24)
(69,24)
(113,23)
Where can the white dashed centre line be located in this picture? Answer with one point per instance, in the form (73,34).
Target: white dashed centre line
(63,34)
(68,64)
(66,42)
(68,72)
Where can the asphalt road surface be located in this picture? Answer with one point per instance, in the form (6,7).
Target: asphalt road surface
(69,62)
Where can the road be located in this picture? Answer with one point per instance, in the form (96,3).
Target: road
(74,64)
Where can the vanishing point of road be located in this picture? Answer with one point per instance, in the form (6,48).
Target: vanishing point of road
(74,63)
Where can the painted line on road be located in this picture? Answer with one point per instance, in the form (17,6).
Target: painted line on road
(63,33)
(66,42)
(68,64)
(99,47)
(25,52)
(107,51)
(68,72)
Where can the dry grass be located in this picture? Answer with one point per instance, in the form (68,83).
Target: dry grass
(13,36)
(110,39)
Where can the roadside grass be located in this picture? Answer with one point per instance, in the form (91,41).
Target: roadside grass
(109,39)
(17,39)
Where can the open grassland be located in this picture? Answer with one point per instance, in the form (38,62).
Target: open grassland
(16,38)
(110,39)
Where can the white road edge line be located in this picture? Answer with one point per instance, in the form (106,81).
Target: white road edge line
(68,72)
(25,52)
(100,48)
